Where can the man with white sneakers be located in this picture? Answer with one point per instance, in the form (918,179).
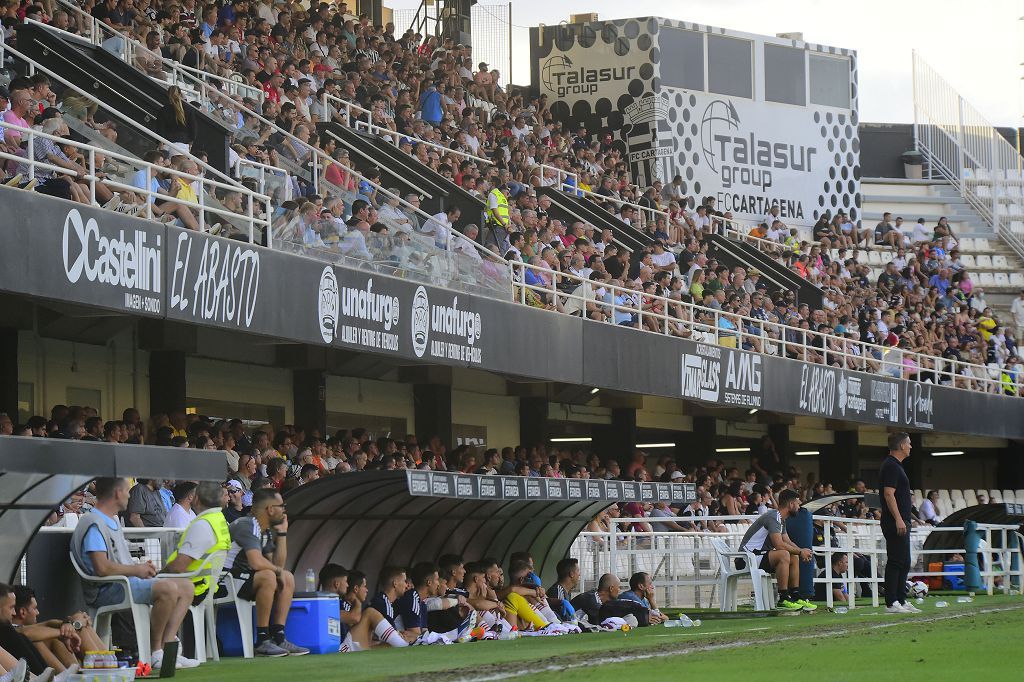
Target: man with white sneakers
(895,486)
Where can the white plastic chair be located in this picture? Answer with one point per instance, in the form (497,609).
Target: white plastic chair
(1000,263)
(1002,280)
(101,616)
(204,617)
(984,262)
(243,607)
(729,575)
(970,498)
(967,244)
(1009,496)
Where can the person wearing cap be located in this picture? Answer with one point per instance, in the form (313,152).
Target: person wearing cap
(234,508)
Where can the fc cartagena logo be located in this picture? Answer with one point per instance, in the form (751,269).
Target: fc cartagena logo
(420,321)
(327,305)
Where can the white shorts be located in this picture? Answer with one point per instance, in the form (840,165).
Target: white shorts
(349,645)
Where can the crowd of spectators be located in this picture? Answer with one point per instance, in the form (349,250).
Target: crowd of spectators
(924,314)
(450,600)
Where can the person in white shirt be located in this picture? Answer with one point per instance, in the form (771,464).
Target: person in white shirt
(392,215)
(661,259)
(181,513)
(929,509)
(464,243)
(921,233)
(440,224)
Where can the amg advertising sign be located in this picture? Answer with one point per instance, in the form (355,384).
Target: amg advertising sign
(716,374)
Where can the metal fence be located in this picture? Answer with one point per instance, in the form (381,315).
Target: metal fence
(962,147)
(685,570)
(629,306)
(491,34)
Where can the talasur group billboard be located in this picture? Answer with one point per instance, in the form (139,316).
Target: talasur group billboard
(751,146)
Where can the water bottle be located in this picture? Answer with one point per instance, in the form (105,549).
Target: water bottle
(941,604)
(964,600)
(696,622)
(685,621)
(841,610)
(671,623)
(310,580)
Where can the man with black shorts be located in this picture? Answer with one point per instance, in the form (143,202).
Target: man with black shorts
(779,556)
(257,557)
(895,487)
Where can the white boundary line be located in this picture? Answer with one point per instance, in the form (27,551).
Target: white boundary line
(727,645)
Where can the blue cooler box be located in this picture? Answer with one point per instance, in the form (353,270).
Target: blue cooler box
(313,622)
(954,582)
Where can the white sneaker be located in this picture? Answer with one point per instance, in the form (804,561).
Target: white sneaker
(67,674)
(19,673)
(184,662)
(896,608)
(910,608)
(156,660)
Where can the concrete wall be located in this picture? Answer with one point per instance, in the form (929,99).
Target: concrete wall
(881,145)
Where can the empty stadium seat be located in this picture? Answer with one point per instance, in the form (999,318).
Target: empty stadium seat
(986,279)
(1002,279)
(1017,279)
(1000,263)
(970,498)
(967,244)
(1009,496)
(918,496)
(984,262)
(981,244)
(1019,494)
(968,261)
(945,505)
(957,497)
(995,496)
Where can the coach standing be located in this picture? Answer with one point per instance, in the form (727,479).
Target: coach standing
(895,487)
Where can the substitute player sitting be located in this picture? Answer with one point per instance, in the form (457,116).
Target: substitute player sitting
(779,556)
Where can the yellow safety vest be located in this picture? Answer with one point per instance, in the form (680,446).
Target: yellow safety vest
(499,214)
(214,517)
(1009,387)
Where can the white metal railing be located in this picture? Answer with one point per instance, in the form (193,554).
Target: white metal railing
(342,141)
(145,132)
(128,50)
(684,567)
(962,147)
(631,307)
(92,175)
(456,262)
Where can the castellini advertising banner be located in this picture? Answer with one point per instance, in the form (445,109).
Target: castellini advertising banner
(621,77)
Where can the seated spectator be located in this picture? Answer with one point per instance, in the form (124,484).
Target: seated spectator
(257,558)
(100,548)
(146,507)
(181,513)
(929,509)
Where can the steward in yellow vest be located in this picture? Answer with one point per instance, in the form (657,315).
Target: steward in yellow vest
(206,533)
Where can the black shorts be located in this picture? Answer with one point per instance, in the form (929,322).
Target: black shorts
(246,590)
(764,565)
(220,591)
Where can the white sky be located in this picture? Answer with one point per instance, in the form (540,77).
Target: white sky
(977,46)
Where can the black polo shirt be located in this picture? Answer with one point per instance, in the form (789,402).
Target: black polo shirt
(892,475)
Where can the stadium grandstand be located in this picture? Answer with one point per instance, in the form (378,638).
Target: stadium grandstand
(611,349)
